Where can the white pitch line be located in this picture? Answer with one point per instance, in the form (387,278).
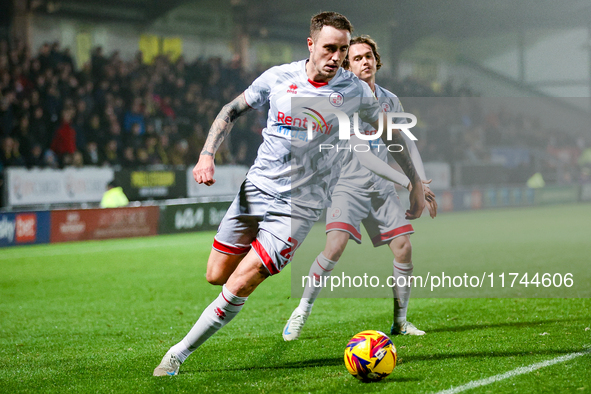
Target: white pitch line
(515,372)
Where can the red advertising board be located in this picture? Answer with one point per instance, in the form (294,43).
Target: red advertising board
(26,227)
(447,201)
(86,224)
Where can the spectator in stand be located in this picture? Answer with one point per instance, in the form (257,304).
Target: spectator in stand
(77,159)
(64,139)
(175,101)
(98,63)
(179,153)
(163,148)
(150,105)
(128,157)
(44,59)
(135,115)
(100,95)
(23,109)
(111,153)
(22,135)
(151,146)
(35,99)
(7,109)
(79,124)
(135,137)
(10,154)
(166,107)
(91,154)
(39,129)
(53,104)
(142,157)
(36,157)
(85,94)
(94,130)
(68,59)
(50,159)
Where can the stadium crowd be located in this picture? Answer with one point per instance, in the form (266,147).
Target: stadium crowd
(115,112)
(127,113)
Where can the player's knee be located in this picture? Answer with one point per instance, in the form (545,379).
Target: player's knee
(403,251)
(215,278)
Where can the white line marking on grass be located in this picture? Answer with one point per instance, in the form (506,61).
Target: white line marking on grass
(519,371)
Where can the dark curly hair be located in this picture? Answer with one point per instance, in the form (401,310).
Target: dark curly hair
(329,18)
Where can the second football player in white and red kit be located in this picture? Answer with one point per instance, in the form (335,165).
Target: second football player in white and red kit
(364,197)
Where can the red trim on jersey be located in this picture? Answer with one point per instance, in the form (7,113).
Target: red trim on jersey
(264,257)
(246,101)
(229,249)
(393,233)
(343,226)
(229,301)
(317,84)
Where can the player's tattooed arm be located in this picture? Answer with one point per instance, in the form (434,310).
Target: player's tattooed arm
(403,157)
(223,123)
(205,167)
(417,198)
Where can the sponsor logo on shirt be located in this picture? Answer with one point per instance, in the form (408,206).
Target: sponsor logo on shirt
(336,99)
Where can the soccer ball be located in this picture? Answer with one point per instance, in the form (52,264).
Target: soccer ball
(370,356)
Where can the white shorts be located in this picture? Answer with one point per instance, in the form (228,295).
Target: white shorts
(274,227)
(381,212)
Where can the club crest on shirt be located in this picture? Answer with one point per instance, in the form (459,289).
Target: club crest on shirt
(335,213)
(386,107)
(336,99)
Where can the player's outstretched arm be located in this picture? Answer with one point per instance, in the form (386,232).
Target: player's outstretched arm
(417,198)
(223,123)
(415,156)
(378,166)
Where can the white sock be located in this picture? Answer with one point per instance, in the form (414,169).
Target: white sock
(215,316)
(320,269)
(402,293)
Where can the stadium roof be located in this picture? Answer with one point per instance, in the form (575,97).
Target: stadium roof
(289,20)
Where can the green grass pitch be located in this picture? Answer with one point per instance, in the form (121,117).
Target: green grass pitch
(96,317)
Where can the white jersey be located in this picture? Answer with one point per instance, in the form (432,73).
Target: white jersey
(288,165)
(353,174)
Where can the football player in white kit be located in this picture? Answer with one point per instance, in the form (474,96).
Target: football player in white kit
(284,193)
(361,196)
